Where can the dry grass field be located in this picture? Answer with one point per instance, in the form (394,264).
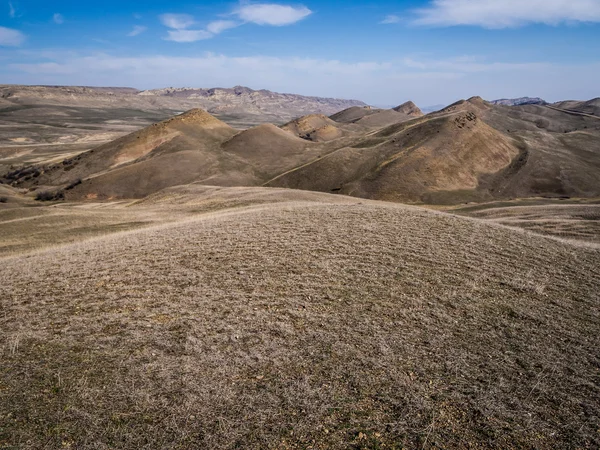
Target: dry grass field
(568,220)
(261,318)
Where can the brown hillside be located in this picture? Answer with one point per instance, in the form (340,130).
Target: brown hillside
(179,150)
(413,161)
(269,150)
(195,129)
(410,109)
(470,151)
(591,107)
(314,127)
(352,114)
(383,118)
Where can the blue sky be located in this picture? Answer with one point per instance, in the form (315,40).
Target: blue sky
(384,53)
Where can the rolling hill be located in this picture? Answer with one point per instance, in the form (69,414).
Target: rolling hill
(471,150)
(314,127)
(278,318)
(591,107)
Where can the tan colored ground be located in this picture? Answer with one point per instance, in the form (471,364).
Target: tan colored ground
(283,319)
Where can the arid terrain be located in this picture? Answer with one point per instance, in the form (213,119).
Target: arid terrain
(45,123)
(360,278)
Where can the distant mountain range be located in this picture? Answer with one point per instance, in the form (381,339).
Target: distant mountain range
(255,105)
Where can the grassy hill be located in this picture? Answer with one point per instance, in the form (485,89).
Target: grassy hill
(278,318)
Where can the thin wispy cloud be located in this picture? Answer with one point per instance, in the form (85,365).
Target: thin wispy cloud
(188,35)
(58,19)
(12,12)
(507,13)
(272,14)
(137,30)
(218,26)
(177,21)
(390,19)
(182,26)
(180,32)
(10,37)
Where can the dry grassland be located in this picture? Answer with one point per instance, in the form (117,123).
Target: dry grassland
(302,325)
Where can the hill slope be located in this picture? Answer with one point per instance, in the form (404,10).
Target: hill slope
(470,151)
(192,147)
(591,107)
(314,127)
(303,324)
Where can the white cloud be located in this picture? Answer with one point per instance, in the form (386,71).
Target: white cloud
(272,14)
(261,14)
(390,19)
(137,30)
(507,13)
(10,37)
(177,21)
(12,12)
(218,26)
(188,35)
(179,24)
(58,19)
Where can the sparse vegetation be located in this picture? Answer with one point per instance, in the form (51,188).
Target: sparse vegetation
(49,196)
(73,184)
(332,323)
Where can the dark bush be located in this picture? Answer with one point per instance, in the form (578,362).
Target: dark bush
(3,199)
(49,196)
(77,182)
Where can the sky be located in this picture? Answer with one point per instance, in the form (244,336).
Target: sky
(384,53)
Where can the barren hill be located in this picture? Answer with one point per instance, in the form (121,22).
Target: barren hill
(309,320)
(314,127)
(192,147)
(410,109)
(591,107)
(406,162)
(471,150)
(377,118)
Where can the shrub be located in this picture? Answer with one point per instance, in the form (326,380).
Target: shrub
(49,196)
(77,182)
(3,199)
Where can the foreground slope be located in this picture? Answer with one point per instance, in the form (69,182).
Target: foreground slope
(303,324)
